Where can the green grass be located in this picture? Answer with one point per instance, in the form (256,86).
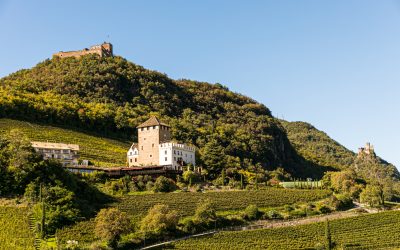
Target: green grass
(101,151)
(14,230)
(364,232)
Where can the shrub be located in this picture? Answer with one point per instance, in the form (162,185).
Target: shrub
(371,195)
(323,208)
(110,224)
(205,212)
(188,176)
(297,213)
(159,220)
(273,214)
(164,185)
(187,225)
(149,186)
(251,212)
(288,208)
(344,201)
(95,177)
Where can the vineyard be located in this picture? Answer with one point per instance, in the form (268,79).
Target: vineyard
(14,230)
(186,203)
(83,232)
(375,231)
(101,151)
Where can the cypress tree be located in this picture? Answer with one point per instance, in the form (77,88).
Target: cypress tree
(43,219)
(256,182)
(223,177)
(328,237)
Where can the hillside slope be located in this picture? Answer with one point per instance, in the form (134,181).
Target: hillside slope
(100,151)
(110,96)
(317,147)
(372,231)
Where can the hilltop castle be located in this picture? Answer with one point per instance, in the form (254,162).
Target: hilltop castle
(103,50)
(368,150)
(155,148)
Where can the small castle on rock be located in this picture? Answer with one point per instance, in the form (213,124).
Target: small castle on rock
(103,50)
(367,150)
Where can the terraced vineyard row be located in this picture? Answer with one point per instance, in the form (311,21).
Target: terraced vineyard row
(101,151)
(374,231)
(186,203)
(14,230)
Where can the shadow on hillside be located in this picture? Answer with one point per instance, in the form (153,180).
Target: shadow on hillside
(302,167)
(90,199)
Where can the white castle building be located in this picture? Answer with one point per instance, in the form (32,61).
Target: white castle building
(155,148)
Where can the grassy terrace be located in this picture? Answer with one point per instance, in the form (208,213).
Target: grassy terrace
(374,231)
(102,151)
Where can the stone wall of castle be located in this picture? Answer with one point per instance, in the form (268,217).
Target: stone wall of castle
(149,139)
(103,50)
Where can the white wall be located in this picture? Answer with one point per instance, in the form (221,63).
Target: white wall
(132,157)
(170,153)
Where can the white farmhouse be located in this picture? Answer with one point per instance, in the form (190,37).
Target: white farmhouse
(67,154)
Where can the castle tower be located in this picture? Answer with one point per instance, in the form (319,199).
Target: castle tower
(107,49)
(150,134)
(367,150)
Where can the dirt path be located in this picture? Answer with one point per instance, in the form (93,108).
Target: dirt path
(301,221)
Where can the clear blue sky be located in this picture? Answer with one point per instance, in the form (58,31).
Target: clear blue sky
(335,64)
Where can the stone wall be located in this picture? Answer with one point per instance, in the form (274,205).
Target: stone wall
(149,139)
(102,50)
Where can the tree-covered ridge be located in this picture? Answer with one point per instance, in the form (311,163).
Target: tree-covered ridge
(111,96)
(317,147)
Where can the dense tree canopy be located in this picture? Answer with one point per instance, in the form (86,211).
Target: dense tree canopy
(22,171)
(111,96)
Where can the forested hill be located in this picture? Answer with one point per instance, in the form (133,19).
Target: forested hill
(110,96)
(316,146)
